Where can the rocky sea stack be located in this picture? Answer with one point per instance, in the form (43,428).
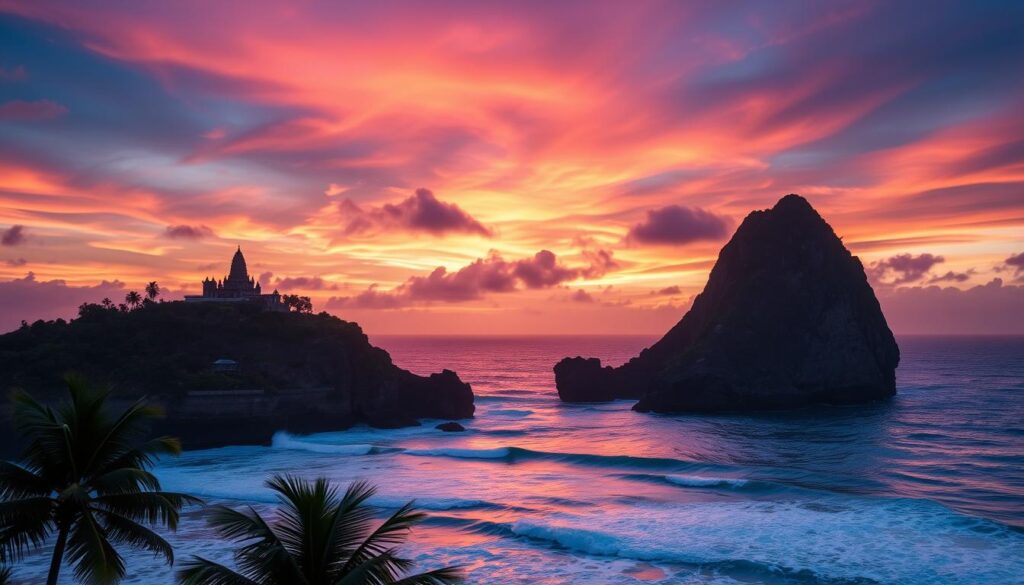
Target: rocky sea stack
(786,319)
(229,373)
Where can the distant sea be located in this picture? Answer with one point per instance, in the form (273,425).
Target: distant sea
(925,489)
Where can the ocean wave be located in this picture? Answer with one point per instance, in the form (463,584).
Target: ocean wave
(496,453)
(511,454)
(510,412)
(701,481)
(833,540)
(283,440)
(434,503)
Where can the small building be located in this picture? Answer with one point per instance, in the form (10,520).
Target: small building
(237,287)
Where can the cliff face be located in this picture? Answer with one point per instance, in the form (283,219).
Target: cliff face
(167,350)
(787,318)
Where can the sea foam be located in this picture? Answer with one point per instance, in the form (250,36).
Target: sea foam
(283,440)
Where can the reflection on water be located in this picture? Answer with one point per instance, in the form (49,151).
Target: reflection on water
(925,488)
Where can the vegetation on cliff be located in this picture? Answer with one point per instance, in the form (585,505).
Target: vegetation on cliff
(168,349)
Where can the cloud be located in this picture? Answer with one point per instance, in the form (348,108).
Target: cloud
(13,236)
(902,268)
(420,212)
(302,283)
(30,299)
(371,298)
(582,296)
(16,262)
(667,291)
(992,308)
(187,232)
(1016,261)
(38,110)
(493,274)
(676,225)
(951,276)
(601,262)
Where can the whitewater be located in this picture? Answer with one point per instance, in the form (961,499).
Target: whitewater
(925,489)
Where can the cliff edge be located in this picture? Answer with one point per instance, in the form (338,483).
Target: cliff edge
(231,373)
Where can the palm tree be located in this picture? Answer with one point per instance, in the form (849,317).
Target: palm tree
(152,290)
(133,299)
(318,538)
(5,575)
(84,478)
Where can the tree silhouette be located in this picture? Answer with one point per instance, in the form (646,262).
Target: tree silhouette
(83,477)
(133,299)
(152,291)
(298,304)
(317,538)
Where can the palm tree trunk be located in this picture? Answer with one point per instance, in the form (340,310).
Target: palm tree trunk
(58,555)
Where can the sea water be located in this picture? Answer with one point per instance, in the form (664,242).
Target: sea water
(927,488)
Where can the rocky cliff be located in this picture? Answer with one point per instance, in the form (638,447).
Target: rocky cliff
(787,318)
(280,360)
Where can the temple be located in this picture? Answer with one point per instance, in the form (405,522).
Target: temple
(237,287)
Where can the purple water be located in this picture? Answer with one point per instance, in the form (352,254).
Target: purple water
(927,488)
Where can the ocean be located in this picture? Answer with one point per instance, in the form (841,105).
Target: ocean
(927,488)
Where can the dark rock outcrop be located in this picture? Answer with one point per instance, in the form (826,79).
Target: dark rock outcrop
(786,319)
(450,427)
(291,371)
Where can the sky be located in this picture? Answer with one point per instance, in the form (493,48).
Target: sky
(476,167)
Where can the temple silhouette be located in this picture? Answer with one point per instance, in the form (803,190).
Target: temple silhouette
(237,287)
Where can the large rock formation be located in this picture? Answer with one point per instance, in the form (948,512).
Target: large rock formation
(230,372)
(787,319)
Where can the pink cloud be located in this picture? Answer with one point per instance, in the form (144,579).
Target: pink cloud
(420,212)
(13,236)
(187,232)
(302,283)
(31,299)
(993,308)
(1016,261)
(902,268)
(675,225)
(493,274)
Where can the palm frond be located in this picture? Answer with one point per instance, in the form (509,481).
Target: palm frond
(143,456)
(124,480)
(389,534)
(90,553)
(150,507)
(45,453)
(26,524)
(18,482)
(262,552)
(6,576)
(122,530)
(303,522)
(349,526)
(121,436)
(381,569)
(199,571)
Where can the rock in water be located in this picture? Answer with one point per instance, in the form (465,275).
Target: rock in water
(786,319)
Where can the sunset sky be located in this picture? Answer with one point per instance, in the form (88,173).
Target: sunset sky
(528,167)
